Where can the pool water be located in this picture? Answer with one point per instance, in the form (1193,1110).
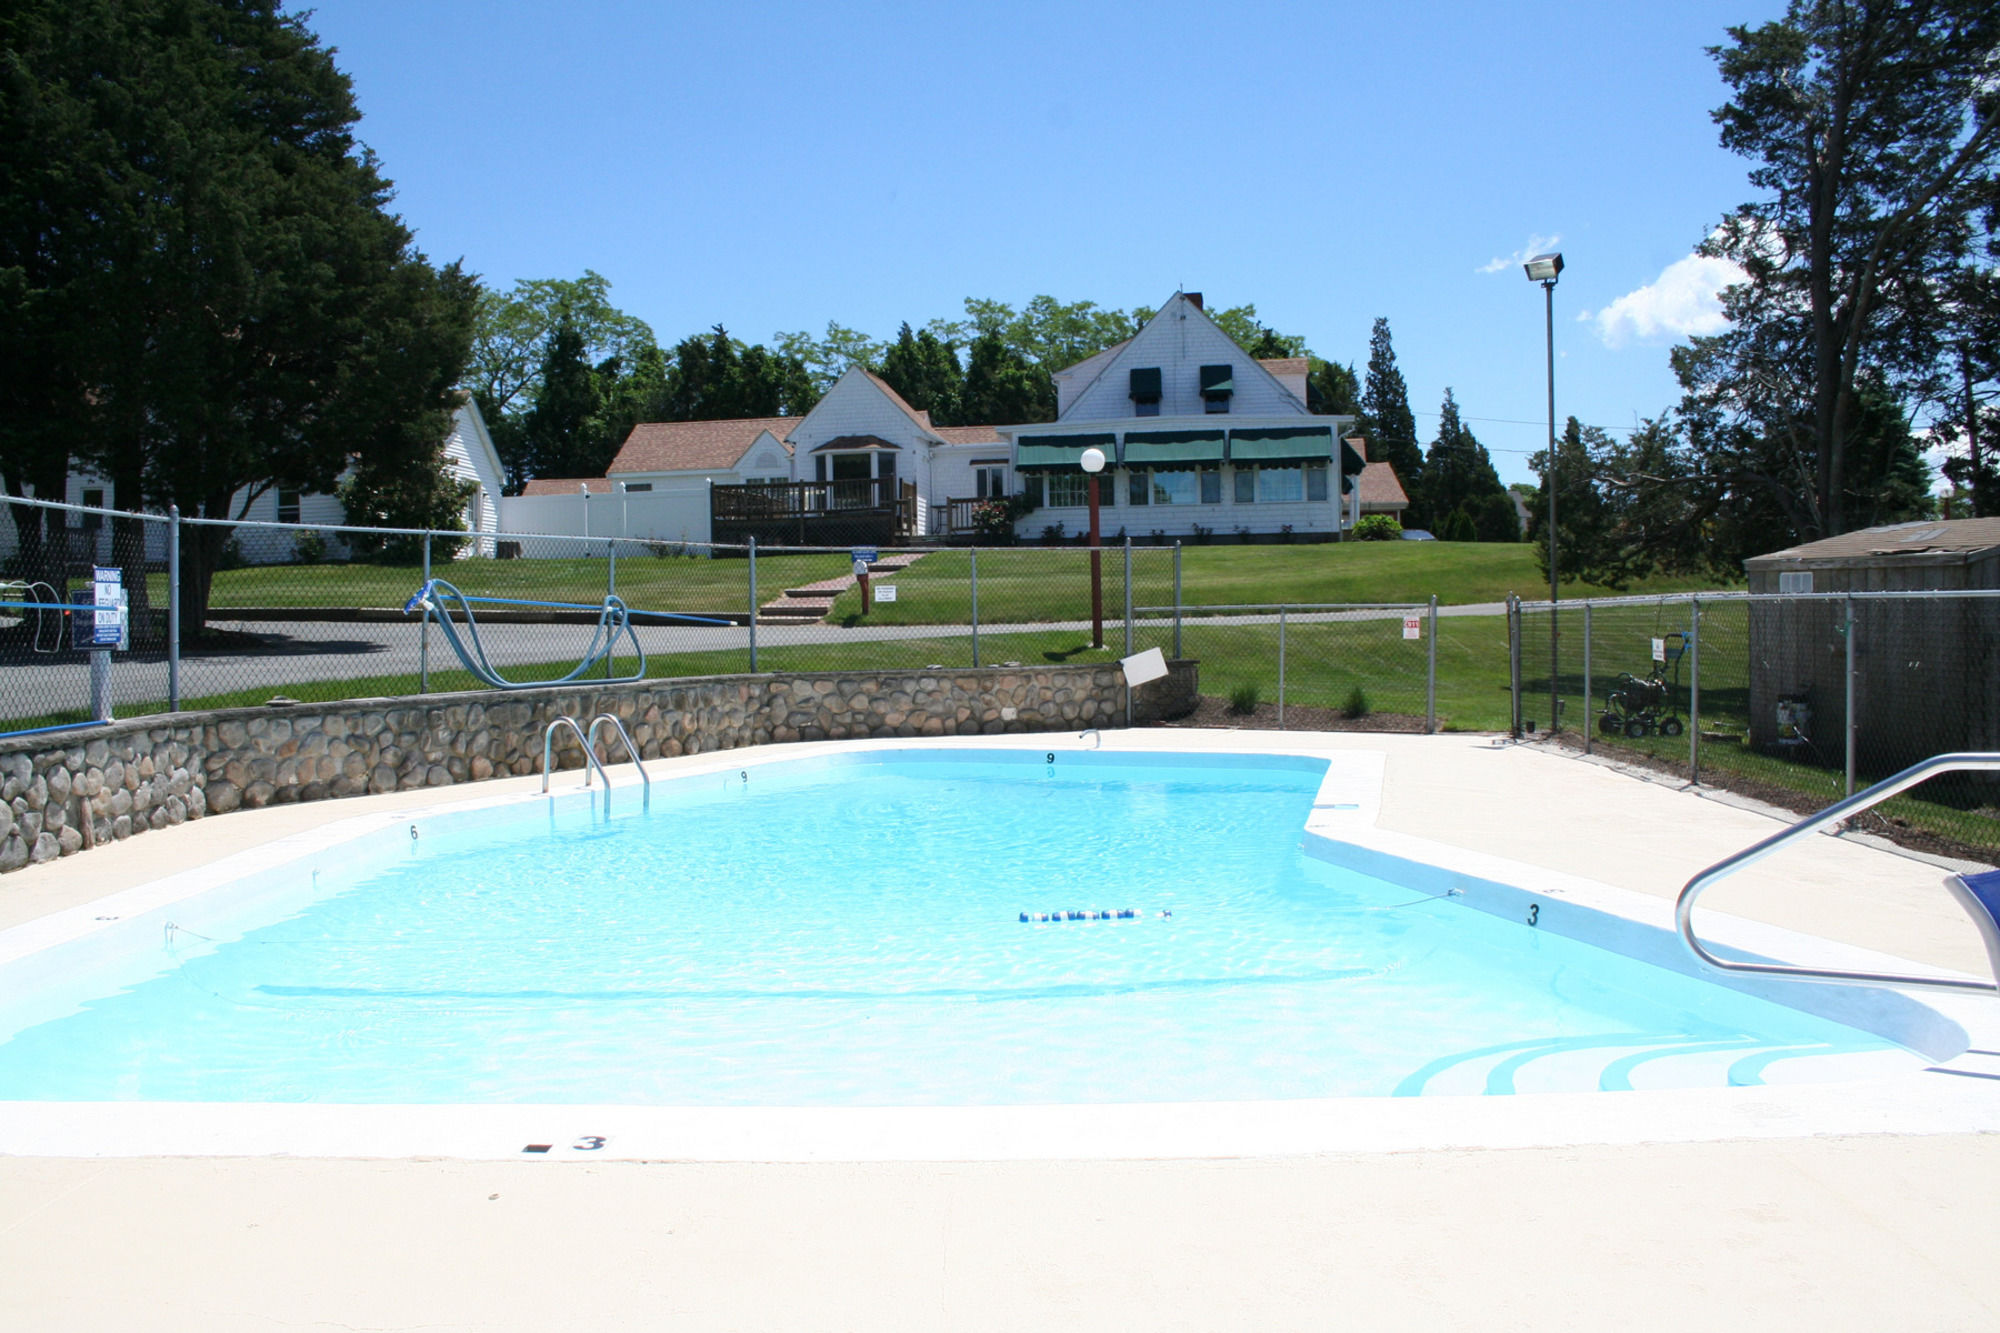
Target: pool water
(847,931)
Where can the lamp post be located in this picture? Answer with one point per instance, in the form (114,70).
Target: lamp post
(1545,269)
(1092,461)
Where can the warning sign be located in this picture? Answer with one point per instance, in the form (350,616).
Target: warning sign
(1413,627)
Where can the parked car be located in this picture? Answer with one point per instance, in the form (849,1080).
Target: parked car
(1417,535)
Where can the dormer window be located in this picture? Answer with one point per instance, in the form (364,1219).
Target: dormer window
(1218,385)
(1146,392)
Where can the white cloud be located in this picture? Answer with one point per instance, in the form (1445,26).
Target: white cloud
(1683,301)
(1537,245)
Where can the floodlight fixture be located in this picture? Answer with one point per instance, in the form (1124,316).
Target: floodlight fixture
(1544,268)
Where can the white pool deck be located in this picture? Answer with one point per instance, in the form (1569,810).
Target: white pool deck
(1867,1204)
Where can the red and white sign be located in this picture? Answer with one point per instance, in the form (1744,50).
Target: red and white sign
(1413,627)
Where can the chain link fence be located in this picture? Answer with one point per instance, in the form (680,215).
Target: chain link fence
(1799,698)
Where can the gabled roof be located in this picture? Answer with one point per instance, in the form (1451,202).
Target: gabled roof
(968,434)
(567,485)
(923,419)
(1285,365)
(1111,357)
(690,446)
(1380,488)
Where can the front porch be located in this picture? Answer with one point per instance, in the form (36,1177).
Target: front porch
(854,512)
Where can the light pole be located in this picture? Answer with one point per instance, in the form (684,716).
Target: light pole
(1545,269)
(1092,461)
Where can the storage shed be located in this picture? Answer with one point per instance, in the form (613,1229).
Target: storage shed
(1927,668)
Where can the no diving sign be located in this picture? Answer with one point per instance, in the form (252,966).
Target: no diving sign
(1413,627)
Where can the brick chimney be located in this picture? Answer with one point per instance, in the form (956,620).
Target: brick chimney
(1194,299)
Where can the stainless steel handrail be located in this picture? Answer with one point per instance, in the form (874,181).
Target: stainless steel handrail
(1833,814)
(589,756)
(590,743)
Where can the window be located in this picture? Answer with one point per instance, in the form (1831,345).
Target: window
(93,497)
(1138,486)
(1276,485)
(989,482)
(1246,485)
(636,486)
(1145,391)
(1218,384)
(1176,488)
(1067,489)
(885,470)
(288,506)
(1211,486)
(1315,481)
(1031,488)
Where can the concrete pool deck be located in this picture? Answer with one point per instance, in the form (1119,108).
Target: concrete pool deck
(1819,1232)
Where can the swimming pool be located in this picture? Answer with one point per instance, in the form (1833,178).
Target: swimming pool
(846,931)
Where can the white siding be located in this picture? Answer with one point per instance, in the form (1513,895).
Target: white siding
(855,406)
(1180,341)
(1138,521)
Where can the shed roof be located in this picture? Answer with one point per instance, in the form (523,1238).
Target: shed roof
(567,485)
(1381,489)
(1943,541)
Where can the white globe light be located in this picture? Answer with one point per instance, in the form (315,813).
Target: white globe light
(1092,459)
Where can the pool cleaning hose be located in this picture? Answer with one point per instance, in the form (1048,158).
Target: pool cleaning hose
(613,619)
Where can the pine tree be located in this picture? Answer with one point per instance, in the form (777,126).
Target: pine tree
(1458,473)
(1001,385)
(1386,418)
(924,370)
(1333,389)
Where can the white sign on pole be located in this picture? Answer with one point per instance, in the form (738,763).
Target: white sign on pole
(1660,651)
(1413,627)
(885,592)
(1142,667)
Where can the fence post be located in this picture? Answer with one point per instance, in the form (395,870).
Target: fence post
(611,586)
(975,605)
(753,603)
(1128,597)
(1281,668)
(424,628)
(173,608)
(1588,723)
(1694,692)
(1849,744)
(1514,662)
(1431,674)
(1177,599)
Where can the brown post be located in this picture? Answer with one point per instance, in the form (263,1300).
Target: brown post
(1096,573)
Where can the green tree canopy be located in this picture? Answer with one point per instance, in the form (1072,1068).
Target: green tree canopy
(1002,385)
(1458,473)
(924,369)
(244,312)
(1874,129)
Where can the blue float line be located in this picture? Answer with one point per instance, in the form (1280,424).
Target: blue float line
(414,602)
(61,726)
(47,606)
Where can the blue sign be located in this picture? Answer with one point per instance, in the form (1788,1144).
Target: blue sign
(99,620)
(868,553)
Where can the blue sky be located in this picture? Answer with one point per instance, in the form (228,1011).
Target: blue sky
(775,166)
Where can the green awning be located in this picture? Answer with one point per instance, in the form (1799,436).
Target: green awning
(1059,453)
(1351,463)
(1217,380)
(1285,444)
(1146,385)
(1172,448)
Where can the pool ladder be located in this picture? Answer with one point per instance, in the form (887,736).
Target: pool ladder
(1977,893)
(591,763)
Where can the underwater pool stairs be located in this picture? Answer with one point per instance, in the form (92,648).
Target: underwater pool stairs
(68,792)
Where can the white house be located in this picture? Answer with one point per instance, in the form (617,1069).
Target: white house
(1196,433)
(469,456)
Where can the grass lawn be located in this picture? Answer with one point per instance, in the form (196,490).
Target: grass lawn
(661,583)
(1015,585)
(1036,583)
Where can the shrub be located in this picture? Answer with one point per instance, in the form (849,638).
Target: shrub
(1243,700)
(309,548)
(1201,534)
(1378,528)
(1356,705)
(1052,535)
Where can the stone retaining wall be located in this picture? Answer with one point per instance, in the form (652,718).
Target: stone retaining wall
(67,792)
